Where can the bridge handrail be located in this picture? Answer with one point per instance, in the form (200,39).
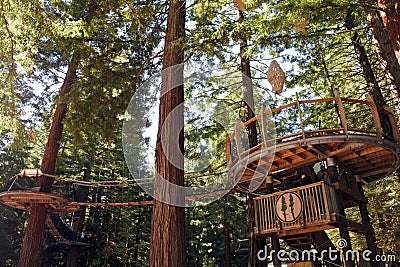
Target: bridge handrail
(303,133)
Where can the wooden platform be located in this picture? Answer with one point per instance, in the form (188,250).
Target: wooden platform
(24,199)
(365,156)
(367,153)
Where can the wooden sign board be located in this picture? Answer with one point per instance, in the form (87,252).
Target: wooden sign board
(288,207)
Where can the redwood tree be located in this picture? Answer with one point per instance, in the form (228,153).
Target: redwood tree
(256,242)
(387,53)
(390,14)
(368,73)
(167,242)
(30,252)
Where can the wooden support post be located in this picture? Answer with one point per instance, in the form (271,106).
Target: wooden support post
(342,115)
(369,237)
(264,126)
(344,232)
(238,139)
(393,123)
(276,247)
(80,194)
(228,149)
(375,113)
(300,116)
(269,180)
(334,177)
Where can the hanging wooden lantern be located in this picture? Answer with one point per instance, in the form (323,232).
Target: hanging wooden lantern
(239,4)
(276,77)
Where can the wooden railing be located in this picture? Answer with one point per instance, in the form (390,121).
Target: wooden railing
(319,202)
(346,123)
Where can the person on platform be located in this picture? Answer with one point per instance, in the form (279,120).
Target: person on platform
(305,179)
(323,174)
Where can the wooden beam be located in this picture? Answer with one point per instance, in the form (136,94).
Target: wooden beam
(300,116)
(342,115)
(238,138)
(393,122)
(279,156)
(350,193)
(263,126)
(295,154)
(351,225)
(377,172)
(307,230)
(113,204)
(375,114)
(228,149)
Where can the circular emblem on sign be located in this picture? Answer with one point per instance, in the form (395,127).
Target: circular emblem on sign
(288,207)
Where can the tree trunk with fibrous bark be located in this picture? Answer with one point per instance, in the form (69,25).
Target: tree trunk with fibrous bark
(390,64)
(30,251)
(369,76)
(167,242)
(256,242)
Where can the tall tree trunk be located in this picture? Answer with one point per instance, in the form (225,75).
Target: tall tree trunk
(228,259)
(387,53)
(390,14)
(81,195)
(368,74)
(30,251)
(256,243)
(167,242)
(138,236)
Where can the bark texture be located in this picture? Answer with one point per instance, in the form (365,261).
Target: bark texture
(167,242)
(369,76)
(390,14)
(30,251)
(256,243)
(390,63)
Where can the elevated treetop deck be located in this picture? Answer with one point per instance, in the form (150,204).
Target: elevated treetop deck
(354,138)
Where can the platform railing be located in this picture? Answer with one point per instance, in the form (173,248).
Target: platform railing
(319,202)
(347,125)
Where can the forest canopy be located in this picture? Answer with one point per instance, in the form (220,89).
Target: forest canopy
(113,47)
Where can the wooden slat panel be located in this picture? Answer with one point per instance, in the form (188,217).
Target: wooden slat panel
(315,208)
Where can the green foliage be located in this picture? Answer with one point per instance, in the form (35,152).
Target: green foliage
(12,160)
(384,206)
(118,45)
(206,235)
